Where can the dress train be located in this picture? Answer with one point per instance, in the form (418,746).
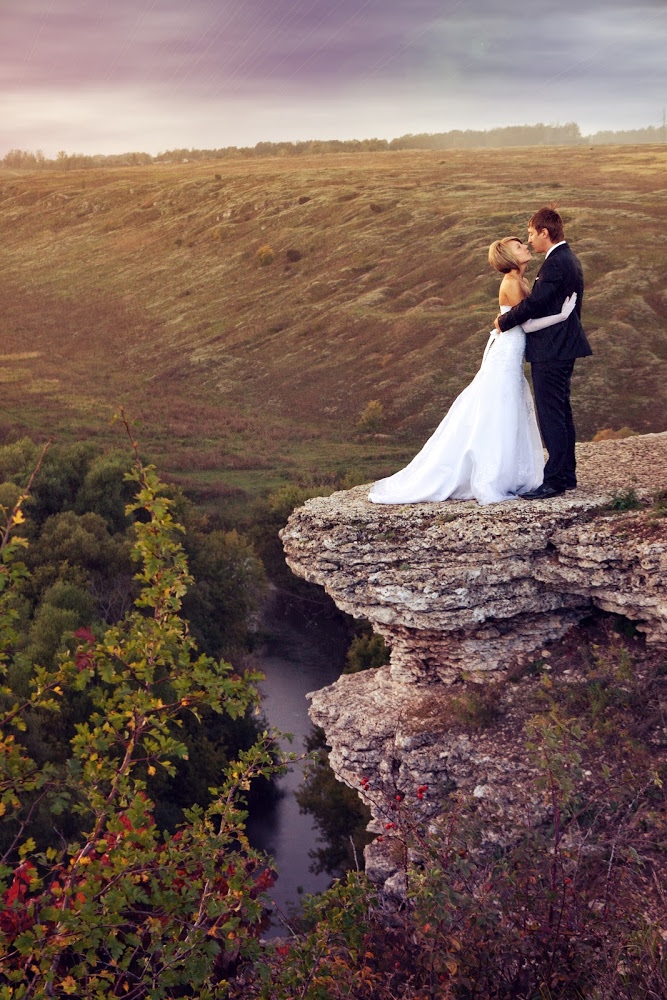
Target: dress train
(487,447)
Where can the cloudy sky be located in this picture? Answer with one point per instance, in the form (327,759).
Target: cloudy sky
(119,75)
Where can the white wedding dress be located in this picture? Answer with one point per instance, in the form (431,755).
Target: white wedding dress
(488,446)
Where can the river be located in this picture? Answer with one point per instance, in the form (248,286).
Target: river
(303,652)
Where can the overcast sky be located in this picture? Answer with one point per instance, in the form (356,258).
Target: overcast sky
(127,75)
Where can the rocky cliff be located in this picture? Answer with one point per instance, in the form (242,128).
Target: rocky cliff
(467,596)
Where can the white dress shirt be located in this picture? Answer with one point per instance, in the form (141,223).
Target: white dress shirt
(559,244)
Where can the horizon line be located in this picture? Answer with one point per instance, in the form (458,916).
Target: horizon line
(40,157)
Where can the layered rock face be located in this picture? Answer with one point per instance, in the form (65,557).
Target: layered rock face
(462,590)
(464,594)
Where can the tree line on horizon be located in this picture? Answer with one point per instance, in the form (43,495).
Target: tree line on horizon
(539,134)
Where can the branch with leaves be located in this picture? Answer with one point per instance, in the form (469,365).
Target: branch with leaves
(124,909)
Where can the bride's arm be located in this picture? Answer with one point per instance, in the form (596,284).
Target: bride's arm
(531,325)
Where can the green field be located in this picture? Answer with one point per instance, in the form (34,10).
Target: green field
(142,287)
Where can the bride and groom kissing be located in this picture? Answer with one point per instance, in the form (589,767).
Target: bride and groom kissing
(488,446)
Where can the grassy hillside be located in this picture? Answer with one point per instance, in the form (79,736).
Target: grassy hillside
(143,286)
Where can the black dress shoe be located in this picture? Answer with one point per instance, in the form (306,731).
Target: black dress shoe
(543,492)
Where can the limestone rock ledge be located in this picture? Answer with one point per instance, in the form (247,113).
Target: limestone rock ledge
(462,594)
(460,590)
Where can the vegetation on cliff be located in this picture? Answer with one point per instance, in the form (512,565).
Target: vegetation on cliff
(568,906)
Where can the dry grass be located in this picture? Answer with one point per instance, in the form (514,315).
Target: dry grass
(143,287)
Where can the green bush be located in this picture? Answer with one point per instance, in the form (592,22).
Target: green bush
(625,500)
(119,908)
(265,256)
(366,652)
(232,585)
(372,418)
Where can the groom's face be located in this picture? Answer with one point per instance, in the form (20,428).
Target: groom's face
(539,239)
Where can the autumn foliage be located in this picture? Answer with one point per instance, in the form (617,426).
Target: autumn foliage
(122,908)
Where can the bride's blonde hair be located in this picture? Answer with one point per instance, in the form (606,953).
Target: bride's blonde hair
(501,257)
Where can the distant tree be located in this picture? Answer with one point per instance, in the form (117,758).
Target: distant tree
(19,159)
(538,134)
(629,136)
(61,479)
(18,459)
(372,418)
(105,489)
(229,592)
(64,608)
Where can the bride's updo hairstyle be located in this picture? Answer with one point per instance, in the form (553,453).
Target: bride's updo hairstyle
(501,256)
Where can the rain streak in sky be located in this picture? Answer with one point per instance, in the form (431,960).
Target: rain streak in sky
(116,75)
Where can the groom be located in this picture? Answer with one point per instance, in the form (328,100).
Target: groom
(552,351)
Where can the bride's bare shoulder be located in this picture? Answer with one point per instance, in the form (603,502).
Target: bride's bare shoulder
(513,290)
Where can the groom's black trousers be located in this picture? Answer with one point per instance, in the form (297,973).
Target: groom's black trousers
(551,382)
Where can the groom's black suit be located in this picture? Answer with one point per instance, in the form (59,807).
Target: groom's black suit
(552,353)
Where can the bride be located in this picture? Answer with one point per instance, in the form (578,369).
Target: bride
(488,445)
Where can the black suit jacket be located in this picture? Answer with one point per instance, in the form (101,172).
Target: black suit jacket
(559,276)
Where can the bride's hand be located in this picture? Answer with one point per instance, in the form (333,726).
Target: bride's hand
(569,304)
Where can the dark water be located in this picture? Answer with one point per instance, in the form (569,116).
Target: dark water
(305,652)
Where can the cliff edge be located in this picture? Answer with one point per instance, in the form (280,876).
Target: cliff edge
(458,589)
(467,595)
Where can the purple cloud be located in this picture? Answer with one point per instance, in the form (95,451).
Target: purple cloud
(598,58)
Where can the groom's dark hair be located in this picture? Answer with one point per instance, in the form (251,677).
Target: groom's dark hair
(549,219)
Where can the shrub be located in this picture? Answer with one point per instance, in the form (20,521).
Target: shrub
(371,420)
(265,255)
(659,508)
(119,908)
(477,708)
(570,907)
(625,500)
(610,435)
(366,652)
